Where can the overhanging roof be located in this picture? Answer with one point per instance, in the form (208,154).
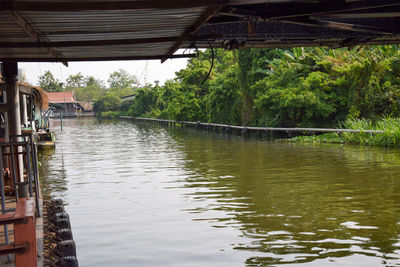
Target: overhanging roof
(86,30)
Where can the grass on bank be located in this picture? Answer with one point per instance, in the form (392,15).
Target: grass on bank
(112,114)
(389,138)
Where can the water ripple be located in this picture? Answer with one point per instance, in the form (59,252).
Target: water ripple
(143,195)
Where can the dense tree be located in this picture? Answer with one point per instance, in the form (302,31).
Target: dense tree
(121,79)
(122,83)
(90,91)
(108,102)
(310,87)
(49,83)
(92,81)
(75,81)
(142,103)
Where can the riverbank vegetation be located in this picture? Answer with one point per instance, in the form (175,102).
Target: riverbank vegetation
(298,87)
(390,136)
(88,89)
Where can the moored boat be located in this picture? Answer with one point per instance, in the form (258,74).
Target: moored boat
(45,140)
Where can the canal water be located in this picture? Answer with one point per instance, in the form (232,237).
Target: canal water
(144,195)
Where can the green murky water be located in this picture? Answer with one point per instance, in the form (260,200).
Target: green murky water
(142,195)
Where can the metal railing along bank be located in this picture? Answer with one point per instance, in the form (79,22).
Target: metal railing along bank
(245,130)
(65,114)
(20,193)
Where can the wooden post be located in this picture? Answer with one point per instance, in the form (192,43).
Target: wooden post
(24,112)
(10,74)
(61,122)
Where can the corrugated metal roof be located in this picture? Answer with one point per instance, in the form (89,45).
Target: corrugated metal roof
(113,24)
(64,30)
(127,50)
(95,25)
(12,31)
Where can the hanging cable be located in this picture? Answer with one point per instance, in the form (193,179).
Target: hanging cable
(212,63)
(192,46)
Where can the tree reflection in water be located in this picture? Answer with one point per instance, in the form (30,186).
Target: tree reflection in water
(297,203)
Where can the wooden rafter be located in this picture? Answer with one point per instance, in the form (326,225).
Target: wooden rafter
(48,6)
(362,14)
(357,15)
(317,14)
(155,57)
(305,21)
(39,44)
(284,11)
(209,13)
(32,33)
(352,27)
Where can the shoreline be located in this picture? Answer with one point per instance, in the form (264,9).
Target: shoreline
(359,136)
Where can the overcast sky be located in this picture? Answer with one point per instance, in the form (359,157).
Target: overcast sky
(101,70)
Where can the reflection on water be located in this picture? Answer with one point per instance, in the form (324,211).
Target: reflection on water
(140,195)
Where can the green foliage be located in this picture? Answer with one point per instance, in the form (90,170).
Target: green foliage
(122,83)
(88,94)
(108,102)
(75,81)
(142,103)
(223,103)
(122,79)
(49,83)
(390,137)
(111,114)
(91,90)
(298,87)
(92,81)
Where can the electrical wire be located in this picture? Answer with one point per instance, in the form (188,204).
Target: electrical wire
(212,63)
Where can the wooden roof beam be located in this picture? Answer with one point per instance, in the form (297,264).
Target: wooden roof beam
(47,59)
(208,14)
(362,14)
(305,21)
(47,6)
(102,42)
(32,33)
(286,10)
(373,15)
(353,27)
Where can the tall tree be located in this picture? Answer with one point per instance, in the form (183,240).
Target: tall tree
(245,60)
(91,90)
(49,83)
(122,79)
(75,81)
(92,81)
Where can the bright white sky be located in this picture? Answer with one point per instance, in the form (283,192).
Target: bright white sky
(101,70)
